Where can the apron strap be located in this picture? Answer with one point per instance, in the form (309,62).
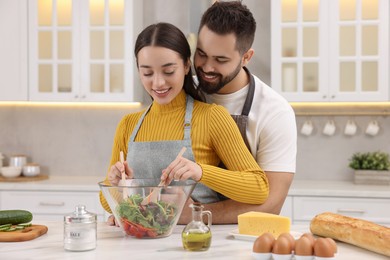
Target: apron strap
(136,128)
(188,117)
(250,95)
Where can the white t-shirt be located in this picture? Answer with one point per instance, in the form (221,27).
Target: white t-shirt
(271,130)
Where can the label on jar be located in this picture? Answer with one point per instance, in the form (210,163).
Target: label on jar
(80,237)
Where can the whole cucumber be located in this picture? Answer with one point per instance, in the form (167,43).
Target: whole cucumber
(15,216)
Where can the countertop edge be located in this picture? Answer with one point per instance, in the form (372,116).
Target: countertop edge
(298,187)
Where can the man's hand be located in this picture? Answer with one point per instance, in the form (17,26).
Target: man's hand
(186,214)
(111,221)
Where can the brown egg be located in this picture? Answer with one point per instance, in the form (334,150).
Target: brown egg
(310,237)
(282,246)
(303,246)
(290,238)
(323,248)
(333,243)
(264,243)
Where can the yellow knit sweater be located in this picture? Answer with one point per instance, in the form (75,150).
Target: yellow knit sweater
(214,135)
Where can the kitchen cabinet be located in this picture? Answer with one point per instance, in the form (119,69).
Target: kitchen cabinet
(13,50)
(371,209)
(330,50)
(51,205)
(311,197)
(53,198)
(83,50)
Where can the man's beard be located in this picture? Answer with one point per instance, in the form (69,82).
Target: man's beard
(211,88)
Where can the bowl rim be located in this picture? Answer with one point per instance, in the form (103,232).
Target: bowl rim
(155,181)
(12,167)
(31,165)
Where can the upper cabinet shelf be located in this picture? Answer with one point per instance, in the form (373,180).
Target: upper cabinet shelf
(66,50)
(81,50)
(330,50)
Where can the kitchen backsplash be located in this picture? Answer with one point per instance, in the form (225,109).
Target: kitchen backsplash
(63,140)
(78,141)
(323,157)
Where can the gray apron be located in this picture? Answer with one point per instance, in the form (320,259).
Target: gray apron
(242,120)
(148,159)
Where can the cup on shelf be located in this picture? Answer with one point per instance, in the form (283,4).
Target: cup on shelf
(18,160)
(373,128)
(329,128)
(307,128)
(350,128)
(31,170)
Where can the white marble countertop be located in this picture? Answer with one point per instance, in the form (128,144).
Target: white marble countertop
(112,244)
(298,187)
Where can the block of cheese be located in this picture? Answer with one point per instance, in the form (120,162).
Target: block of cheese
(257,223)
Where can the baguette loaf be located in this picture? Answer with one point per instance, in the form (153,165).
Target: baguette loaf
(354,231)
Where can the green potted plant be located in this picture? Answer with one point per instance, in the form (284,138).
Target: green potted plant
(371,167)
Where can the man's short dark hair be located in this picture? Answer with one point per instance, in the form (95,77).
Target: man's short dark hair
(231,17)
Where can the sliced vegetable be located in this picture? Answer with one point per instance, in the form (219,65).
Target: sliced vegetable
(10,227)
(5,226)
(17,227)
(25,224)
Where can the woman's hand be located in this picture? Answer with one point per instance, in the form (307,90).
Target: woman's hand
(115,174)
(181,169)
(111,221)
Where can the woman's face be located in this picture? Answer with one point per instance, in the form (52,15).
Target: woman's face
(162,73)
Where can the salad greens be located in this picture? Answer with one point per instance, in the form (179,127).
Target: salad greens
(157,216)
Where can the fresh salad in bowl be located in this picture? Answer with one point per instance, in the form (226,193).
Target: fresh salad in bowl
(151,220)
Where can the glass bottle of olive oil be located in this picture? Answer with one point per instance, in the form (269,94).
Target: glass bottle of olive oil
(196,236)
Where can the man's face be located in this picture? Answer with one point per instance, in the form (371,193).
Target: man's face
(217,61)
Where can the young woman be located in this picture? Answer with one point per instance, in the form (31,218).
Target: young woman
(177,118)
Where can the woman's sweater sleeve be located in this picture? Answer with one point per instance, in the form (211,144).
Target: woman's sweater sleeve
(244,180)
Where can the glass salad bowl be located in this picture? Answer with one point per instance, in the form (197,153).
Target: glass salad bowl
(142,215)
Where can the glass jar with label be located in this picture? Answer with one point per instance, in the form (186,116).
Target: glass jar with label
(80,230)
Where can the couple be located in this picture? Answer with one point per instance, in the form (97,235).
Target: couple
(210,134)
